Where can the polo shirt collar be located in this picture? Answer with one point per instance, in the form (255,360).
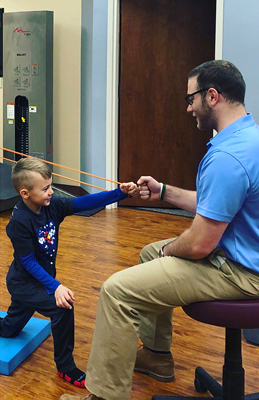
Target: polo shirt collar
(238,125)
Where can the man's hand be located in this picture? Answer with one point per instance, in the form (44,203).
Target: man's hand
(149,188)
(130,188)
(64,297)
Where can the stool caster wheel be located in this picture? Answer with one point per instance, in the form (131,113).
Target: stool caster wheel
(199,386)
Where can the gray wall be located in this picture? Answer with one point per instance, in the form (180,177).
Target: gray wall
(241,45)
(93,90)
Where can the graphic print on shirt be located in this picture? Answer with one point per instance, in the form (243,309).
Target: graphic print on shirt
(47,240)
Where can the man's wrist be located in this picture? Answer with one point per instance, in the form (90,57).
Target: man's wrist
(162,190)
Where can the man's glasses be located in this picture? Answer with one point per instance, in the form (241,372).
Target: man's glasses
(189,99)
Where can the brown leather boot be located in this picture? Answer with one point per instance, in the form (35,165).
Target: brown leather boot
(157,366)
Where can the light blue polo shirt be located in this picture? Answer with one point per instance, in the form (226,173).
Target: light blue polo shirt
(228,189)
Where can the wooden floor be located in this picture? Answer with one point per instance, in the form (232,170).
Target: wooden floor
(90,250)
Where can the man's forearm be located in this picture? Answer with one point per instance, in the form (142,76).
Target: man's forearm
(181,198)
(184,247)
(197,241)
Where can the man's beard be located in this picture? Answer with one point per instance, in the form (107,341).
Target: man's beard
(205,117)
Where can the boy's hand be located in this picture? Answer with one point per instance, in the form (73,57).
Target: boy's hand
(130,188)
(64,297)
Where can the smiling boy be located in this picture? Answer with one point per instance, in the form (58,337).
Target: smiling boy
(33,231)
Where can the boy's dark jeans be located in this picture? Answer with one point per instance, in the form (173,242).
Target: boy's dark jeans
(25,301)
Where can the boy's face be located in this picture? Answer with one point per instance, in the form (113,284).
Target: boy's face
(40,194)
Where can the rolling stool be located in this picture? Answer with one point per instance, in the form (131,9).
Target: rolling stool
(234,316)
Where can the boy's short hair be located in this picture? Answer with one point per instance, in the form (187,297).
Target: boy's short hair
(21,172)
(224,77)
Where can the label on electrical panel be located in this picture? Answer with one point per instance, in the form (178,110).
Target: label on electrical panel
(22,71)
(32,109)
(10,110)
(35,69)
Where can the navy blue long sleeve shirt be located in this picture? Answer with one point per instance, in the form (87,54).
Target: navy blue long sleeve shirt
(35,237)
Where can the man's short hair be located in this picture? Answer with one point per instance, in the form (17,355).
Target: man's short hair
(224,77)
(21,172)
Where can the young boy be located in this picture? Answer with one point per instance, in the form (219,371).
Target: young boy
(33,231)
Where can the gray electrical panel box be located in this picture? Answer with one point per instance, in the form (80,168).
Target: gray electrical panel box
(28,84)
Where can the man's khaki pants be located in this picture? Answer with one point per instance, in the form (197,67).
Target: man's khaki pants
(139,301)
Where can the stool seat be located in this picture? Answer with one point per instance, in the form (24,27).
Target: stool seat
(233,315)
(237,314)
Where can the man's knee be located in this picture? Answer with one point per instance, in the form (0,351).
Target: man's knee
(147,253)
(109,286)
(115,286)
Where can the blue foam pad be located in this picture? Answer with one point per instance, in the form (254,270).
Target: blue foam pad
(13,351)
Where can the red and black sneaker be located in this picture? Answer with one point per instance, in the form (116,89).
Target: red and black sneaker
(75,376)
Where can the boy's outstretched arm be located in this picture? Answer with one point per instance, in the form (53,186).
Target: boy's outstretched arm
(130,188)
(96,200)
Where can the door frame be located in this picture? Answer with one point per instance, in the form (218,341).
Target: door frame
(112,102)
